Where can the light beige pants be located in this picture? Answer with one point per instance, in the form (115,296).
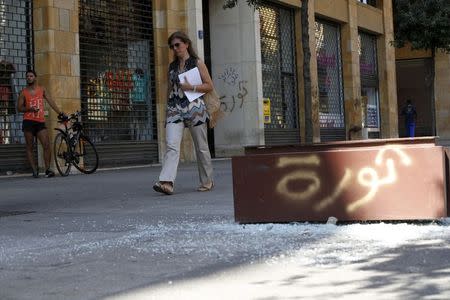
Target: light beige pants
(174,134)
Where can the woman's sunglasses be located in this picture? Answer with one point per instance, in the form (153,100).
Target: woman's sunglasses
(176,45)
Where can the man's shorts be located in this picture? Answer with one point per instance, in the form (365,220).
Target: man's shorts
(32,126)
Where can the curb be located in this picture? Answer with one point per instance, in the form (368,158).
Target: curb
(25,175)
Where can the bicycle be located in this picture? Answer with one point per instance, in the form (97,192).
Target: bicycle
(73,147)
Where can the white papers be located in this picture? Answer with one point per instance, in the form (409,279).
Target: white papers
(193,77)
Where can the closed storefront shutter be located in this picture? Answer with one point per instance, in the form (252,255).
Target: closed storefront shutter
(329,72)
(16,56)
(279,74)
(369,83)
(117,80)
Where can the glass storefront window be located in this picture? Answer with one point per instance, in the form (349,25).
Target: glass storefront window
(370,101)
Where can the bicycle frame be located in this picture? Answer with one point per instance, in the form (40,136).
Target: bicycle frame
(71,133)
(75,152)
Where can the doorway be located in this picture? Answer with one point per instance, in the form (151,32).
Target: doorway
(414,82)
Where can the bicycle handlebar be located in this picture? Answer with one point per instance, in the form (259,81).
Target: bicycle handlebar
(64,118)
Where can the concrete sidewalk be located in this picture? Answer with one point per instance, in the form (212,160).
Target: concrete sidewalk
(58,236)
(109,235)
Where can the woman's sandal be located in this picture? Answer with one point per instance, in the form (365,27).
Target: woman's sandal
(165,188)
(206,188)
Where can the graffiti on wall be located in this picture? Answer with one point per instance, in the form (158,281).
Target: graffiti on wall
(228,102)
(235,90)
(367,177)
(229,76)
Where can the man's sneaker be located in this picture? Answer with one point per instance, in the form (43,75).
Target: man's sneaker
(49,173)
(35,173)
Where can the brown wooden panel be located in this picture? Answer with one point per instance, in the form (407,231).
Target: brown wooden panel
(373,182)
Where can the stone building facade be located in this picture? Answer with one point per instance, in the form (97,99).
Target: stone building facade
(352,71)
(94,54)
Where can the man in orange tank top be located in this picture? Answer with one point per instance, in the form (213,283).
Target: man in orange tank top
(31,103)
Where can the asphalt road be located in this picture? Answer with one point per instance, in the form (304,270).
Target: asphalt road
(110,236)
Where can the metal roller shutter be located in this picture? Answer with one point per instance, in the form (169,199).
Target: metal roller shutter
(16,57)
(117,80)
(279,73)
(367,48)
(329,72)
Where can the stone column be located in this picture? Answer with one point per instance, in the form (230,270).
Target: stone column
(351,73)
(57,55)
(314,77)
(442,95)
(300,77)
(237,70)
(195,24)
(387,75)
(160,18)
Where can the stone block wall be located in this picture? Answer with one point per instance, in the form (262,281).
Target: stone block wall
(56,53)
(236,67)
(387,75)
(57,56)
(442,95)
(57,59)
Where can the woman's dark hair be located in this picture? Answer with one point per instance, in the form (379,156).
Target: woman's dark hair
(31,71)
(185,39)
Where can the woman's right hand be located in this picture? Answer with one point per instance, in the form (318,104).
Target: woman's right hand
(186,86)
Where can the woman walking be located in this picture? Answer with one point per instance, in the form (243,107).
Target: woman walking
(181,113)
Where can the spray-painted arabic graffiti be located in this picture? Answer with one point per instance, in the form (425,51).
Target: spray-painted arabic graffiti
(367,177)
(229,76)
(229,106)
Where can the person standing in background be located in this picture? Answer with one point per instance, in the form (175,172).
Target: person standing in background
(410,114)
(31,104)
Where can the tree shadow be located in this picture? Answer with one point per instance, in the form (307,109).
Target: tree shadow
(411,270)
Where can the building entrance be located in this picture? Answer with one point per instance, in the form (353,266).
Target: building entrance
(414,82)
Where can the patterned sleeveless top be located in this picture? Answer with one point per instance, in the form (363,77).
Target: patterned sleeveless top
(179,109)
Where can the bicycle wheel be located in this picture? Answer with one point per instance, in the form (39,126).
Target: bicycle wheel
(85,156)
(61,153)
